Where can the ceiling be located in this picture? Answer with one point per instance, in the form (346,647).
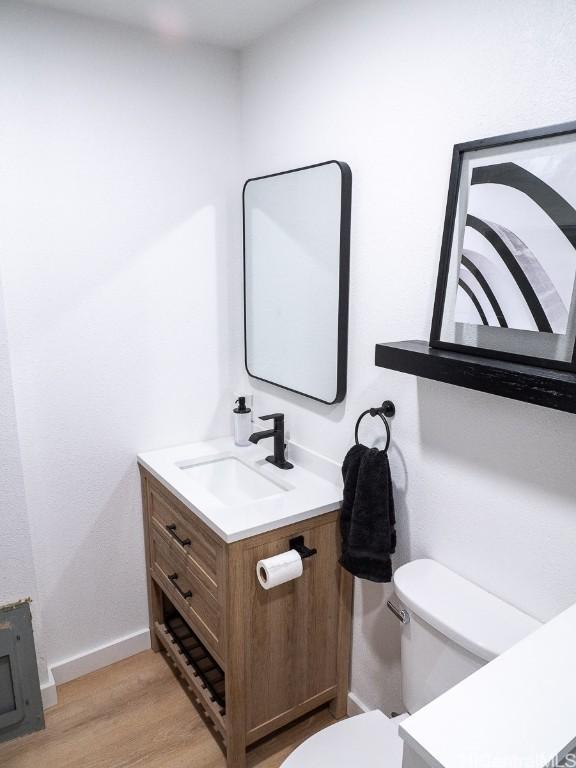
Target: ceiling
(231,23)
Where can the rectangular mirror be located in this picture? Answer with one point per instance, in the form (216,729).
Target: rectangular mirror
(296,274)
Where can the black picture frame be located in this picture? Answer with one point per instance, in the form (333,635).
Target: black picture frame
(343,280)
(504,140)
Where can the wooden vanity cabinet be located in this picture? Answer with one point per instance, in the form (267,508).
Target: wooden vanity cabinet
(266,657)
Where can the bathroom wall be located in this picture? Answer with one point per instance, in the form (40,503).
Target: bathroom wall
(484,485)
(119,178)
(116,175)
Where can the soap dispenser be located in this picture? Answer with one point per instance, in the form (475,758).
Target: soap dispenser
(242,423)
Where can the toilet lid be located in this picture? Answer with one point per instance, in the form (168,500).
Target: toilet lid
(369,740)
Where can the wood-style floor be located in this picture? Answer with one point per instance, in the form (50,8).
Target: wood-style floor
(137,714)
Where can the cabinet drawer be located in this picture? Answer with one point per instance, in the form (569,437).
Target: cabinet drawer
(187,593)
(189,537)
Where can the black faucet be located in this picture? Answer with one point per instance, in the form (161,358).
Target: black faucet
(279,459)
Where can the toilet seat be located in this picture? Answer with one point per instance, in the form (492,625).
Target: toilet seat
(370,741)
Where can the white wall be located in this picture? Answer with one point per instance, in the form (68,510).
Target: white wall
(116,171)
(117,178)
(485,485)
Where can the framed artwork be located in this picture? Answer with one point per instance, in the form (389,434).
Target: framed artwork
(507,278)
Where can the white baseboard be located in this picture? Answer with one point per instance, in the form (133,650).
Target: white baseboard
(97,658)
(356,706)
(49,692)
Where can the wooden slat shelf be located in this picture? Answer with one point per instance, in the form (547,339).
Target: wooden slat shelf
(198,687)
(200,659)
(530,384)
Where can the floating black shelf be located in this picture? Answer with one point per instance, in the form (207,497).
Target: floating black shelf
(531,384)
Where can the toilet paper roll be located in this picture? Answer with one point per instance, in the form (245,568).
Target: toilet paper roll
(273,571)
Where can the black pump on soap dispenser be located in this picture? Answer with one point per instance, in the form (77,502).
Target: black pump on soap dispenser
(242,423)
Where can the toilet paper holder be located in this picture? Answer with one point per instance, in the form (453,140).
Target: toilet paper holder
(297,543)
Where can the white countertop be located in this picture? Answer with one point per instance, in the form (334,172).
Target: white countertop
(311,488)
(518,711)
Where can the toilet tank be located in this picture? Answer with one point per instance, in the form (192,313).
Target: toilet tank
(454,628)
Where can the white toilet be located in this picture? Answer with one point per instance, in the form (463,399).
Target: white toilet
(450,629)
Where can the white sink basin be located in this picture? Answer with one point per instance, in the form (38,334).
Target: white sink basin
(231,480)
(237,493)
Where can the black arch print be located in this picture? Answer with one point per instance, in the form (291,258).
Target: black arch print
(478,274)
(474,299)
(552,203)
(525,286)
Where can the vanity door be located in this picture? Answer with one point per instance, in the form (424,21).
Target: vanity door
(297,634)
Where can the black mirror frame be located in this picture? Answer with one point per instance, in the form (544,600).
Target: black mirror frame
(344,279)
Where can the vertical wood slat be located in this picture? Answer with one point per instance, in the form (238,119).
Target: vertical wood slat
(201,693)
(155,612)
(236,637)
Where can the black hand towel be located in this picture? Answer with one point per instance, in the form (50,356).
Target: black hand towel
(367,519)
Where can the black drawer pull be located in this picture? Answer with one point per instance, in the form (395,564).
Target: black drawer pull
(172,531)
(174,579)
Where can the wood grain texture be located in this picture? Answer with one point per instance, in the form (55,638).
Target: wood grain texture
(199,692)
(200,608)
(136,714)
(285,651)
(236,671)
(155,612)
(292,643)
(205,551)
(530,384)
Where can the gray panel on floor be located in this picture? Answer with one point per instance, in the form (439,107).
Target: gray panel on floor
(20,698)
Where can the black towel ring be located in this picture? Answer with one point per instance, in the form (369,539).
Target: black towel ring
(387,409)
